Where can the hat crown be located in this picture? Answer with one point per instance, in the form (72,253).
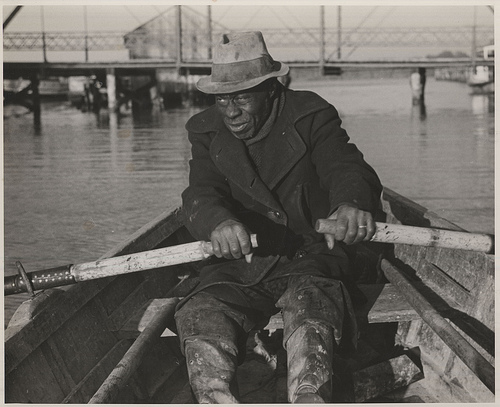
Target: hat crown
(240,46)
(241,61)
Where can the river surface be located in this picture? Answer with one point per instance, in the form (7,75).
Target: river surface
(85,181)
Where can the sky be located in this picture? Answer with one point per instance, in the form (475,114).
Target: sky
(124,16)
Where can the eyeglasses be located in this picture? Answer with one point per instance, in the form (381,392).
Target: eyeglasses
(239,100)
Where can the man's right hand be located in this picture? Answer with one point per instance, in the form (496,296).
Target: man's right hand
(231,240)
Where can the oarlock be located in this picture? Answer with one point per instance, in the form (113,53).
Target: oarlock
(37,280)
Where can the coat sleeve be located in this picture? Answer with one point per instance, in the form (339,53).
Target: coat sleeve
(207,200)
(341,167)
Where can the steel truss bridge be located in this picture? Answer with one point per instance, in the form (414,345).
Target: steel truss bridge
(305,42)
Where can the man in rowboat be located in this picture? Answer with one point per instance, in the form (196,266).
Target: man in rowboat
(270,161)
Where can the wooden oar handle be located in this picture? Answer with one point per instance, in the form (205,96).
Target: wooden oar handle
(208,249)
(130,263)
(420,236)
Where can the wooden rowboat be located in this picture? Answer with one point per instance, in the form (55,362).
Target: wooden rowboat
(427,329)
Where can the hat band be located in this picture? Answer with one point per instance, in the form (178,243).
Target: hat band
(243,70)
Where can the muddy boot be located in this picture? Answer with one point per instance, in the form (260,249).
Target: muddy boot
(310,352)
(212,371)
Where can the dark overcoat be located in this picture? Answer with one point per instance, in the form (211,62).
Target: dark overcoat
(309,168)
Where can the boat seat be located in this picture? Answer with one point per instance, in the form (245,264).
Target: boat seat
(384,304)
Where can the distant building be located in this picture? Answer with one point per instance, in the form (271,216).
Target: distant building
(152,40)
(157,39)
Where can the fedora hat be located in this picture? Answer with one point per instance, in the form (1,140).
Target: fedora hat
(241,61)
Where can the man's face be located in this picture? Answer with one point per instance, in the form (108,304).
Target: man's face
(244,112)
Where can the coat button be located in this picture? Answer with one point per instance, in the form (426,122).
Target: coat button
(276,214)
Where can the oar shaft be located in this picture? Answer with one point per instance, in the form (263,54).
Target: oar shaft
(152,259)
(420,236)
(113,266)
(132,359)
(450,336)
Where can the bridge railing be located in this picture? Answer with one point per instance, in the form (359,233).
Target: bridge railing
(297,44)
(63,41)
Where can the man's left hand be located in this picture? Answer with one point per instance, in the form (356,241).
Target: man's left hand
(353,226)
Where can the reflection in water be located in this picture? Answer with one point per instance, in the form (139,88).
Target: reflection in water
(482,109)
(483,106)
(422,110)
(113,137)
(418,118)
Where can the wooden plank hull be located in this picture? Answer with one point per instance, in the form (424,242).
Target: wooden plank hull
(464,281)
(64,346)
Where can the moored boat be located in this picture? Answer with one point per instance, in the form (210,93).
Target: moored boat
(481,78)
(112,340)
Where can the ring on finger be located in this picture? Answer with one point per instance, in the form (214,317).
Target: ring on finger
(362,227)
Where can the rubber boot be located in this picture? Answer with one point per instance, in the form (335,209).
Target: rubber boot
(310,354)
(212,371)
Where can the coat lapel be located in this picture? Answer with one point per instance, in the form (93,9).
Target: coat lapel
(283,148)
(230,156)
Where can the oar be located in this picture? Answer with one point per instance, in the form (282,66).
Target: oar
(450,336)
(75,273)
(190,252)
(420,236)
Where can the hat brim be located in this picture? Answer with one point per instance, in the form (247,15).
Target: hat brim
(206,85)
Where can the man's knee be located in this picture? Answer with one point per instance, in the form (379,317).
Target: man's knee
(313,299)
(204,316)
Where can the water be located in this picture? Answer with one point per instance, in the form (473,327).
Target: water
(84,182)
